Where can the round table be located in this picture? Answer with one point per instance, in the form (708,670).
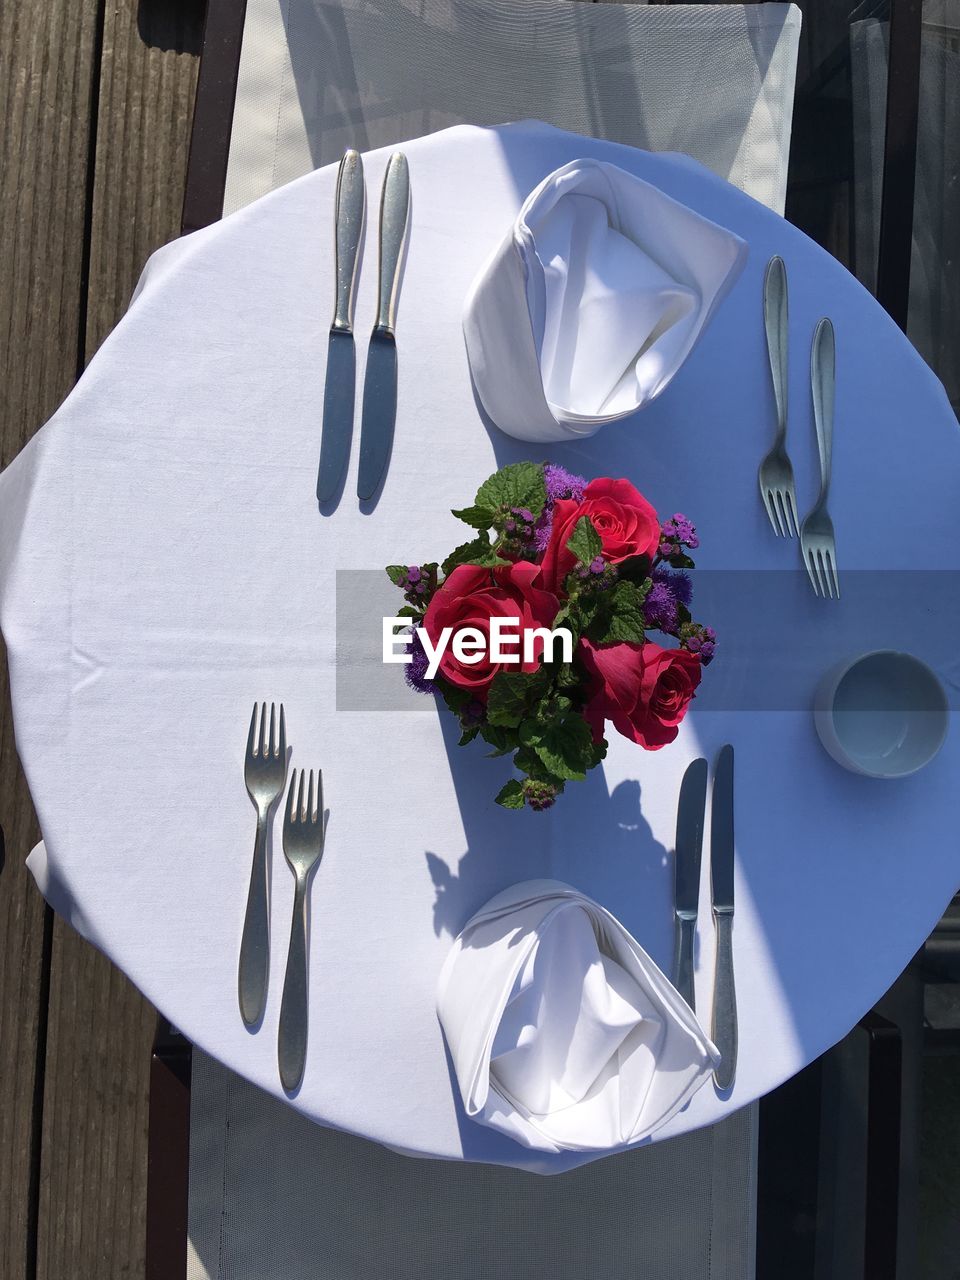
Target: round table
(163,564)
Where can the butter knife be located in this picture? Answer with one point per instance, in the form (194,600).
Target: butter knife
(721,874)
(380,381)
(690,812)
(339,387)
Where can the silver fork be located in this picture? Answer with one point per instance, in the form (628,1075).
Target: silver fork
(776,472)
(264,771)
(817,541)
(303,849)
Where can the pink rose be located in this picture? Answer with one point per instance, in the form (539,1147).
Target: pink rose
(471,597)
(626,522)
(643,688)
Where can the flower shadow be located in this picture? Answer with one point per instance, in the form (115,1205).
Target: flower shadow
(594,838)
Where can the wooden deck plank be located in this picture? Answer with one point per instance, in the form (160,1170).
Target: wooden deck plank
(94,1146)
(48,54)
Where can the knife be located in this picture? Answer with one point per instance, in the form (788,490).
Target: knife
(338,392)
(721,874)
(380,381)
(690,811)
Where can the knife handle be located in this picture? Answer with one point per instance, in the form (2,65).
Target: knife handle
(394,211)
(823,377)
(351,205)
(683,959)
(776,326)
(725,1002)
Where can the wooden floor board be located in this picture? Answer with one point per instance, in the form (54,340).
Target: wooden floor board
(96,102)
(47,73)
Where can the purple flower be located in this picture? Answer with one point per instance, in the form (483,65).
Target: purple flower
(679,529)
(562,484)
(415,671)
(559,484)
(597,565)
(679,583)
(660,607)
(539,795)
(414,574)
(707,650)
(544,527)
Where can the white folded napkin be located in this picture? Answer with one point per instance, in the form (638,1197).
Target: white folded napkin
(564,1034)
(592,302)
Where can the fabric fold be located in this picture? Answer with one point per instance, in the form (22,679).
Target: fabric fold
(564,1033)
(592,302)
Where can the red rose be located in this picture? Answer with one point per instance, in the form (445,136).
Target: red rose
(644,689)
(626,522)
(470,597)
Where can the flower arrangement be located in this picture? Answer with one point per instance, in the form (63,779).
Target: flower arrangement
(554,553)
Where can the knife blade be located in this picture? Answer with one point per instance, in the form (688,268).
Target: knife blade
(721,877)
(380,381)
(340,382)
(690,814)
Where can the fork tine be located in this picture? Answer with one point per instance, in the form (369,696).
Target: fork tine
(303,774)
(770,504)
(283,736)
(310,799)
(252,735)
(263,730)
(811,571)
(834,577)
(320,796)
(288,812)
(792,505)
(272,748)
(767,507)
(783,514)
(822,575)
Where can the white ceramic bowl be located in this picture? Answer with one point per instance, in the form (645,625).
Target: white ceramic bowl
(882,714)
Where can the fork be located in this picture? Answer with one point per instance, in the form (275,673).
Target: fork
(817,542)
(776,472)
(264,772)
(303,848)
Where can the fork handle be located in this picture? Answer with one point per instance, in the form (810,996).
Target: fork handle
(292,1035)
(823,374)
(776,326)
(254,969)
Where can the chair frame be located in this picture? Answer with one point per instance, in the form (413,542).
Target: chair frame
(793,1118)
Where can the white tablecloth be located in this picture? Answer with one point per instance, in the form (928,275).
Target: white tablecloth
(163,564)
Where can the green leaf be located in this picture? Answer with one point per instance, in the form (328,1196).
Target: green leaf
(568,677)
(520,484)
(468,735)
(397,573)
(681,561)
(512,693)
(502,739)
(476,517)
(528,762)
(585,542)
(566,748)
(510,794)
(625,620)
(408,611)
(467,553)
(455,698)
